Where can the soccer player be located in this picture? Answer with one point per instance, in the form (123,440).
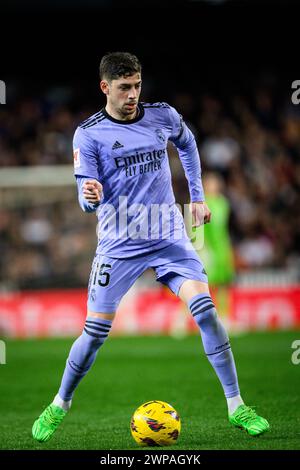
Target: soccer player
(122,172)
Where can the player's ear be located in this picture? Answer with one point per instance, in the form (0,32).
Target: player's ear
(104,87)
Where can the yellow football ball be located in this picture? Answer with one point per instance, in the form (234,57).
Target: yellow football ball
(155,423)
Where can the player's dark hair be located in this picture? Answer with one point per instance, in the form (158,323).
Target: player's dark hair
(119,64)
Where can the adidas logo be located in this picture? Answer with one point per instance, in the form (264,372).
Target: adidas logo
(117,145)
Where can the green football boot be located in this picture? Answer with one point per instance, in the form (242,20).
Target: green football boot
(246,418)
(47,423)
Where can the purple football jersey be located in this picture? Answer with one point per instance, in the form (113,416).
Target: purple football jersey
(137,213)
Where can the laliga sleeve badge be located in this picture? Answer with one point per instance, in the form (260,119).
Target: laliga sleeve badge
(76,154)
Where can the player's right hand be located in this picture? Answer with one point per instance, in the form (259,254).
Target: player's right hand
(92,191)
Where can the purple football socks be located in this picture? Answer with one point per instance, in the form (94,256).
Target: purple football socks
(215,342)
(82,354)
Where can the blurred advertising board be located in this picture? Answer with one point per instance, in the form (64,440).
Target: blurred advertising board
(62,312)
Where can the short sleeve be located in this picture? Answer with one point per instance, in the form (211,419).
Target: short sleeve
(86,160)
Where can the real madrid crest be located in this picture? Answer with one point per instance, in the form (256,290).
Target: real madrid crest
(160,136)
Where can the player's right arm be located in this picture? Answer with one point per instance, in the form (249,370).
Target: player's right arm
(90,193)
(86,170)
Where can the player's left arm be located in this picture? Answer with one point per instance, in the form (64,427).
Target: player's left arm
(184,140)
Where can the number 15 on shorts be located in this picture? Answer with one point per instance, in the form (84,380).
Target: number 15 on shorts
(100,274)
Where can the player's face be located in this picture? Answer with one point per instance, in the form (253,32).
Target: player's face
(123,96)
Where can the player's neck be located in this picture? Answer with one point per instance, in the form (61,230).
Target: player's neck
(119,116)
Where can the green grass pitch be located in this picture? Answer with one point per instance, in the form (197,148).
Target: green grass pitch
(132,370)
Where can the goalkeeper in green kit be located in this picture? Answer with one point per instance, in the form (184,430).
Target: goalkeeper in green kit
(217,252)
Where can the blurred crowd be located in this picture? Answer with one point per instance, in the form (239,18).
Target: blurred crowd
(252,142)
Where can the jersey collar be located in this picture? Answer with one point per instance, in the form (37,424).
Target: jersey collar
(139,116)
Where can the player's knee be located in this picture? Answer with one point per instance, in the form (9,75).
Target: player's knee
(104,316)
(190,288)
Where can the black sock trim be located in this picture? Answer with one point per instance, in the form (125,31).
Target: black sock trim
(78,372)
(97,329)
(212,354)
(93,334)
(89,322)
(206,298)
(207,307)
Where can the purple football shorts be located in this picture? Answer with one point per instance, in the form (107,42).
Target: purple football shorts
(111,278)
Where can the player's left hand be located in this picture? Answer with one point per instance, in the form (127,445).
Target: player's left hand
(200,213)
